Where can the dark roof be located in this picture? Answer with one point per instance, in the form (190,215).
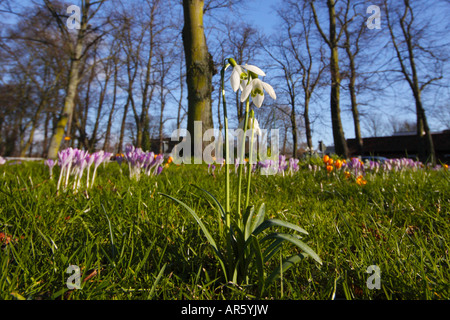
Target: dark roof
(400,144)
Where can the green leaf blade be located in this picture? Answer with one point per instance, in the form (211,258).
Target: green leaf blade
(292,239)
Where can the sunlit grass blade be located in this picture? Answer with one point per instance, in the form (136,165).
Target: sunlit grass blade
(259,262)
(203,228)
(273,248)
(259,217)
(288,263)
(294,240)
(248,224)
(158,278)
(276,222)
(214,199)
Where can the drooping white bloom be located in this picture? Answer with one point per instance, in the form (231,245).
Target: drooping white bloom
(256,88)
(239,77)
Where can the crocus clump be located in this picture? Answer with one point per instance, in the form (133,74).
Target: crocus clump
(140,162)
(281,167)
(73,163)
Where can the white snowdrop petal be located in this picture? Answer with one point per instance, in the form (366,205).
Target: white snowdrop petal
(254,69)
(235,80)
(269,90)
(258,100)
(246,91)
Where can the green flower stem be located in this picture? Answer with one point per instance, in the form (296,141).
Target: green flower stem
(227,162)
(241,160)
(250,157)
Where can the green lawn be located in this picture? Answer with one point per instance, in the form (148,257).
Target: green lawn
(130,242)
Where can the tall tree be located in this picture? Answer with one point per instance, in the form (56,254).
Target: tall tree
(302,62)
(85,37)
(199,68)
(31,52)
(417,48)
(352,49)
(332,40)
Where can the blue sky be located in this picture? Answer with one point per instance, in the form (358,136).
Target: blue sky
(263,14)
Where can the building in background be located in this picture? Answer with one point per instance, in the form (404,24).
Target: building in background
(402,144)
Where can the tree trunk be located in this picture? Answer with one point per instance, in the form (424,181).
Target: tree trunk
(355,112)
(199,69)
(426,146)
(35,120)
(108,126)
(352,89)
(294,128)
(426,151)
(308,124)
(122,127)
(93,139)
(338,132)
(72,87)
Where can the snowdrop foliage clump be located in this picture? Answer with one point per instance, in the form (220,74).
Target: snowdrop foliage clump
(245,231)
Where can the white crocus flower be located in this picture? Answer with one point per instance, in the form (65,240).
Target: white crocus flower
(250,124)
(256,88)
(239,77)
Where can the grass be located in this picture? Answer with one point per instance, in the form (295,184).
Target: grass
(132,243)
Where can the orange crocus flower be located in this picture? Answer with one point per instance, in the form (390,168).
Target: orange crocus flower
(360,181)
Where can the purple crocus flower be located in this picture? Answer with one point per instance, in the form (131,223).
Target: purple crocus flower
(293,165)
(119,159)
(99,158)
(157,164)
(2,161)
(211,169)
(65,158)
(50,163)
(282,164)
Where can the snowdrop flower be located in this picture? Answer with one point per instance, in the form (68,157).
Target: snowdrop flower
(239,77)
(256,89)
